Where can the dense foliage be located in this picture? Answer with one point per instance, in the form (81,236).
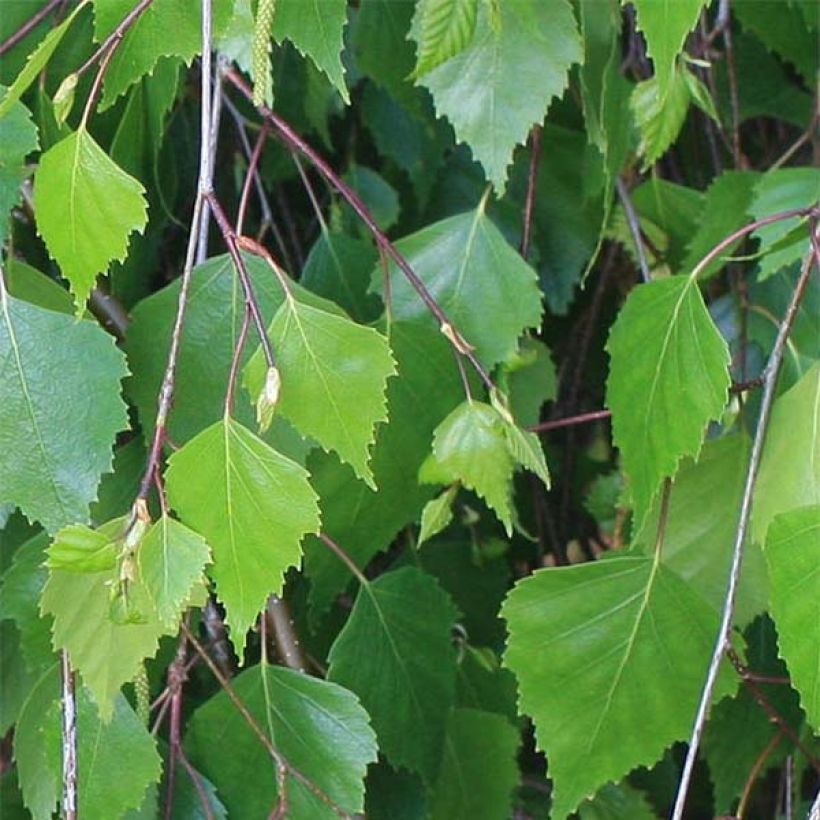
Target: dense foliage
(409,407)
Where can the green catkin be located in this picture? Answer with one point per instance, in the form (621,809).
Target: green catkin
(260,55)
(141,690)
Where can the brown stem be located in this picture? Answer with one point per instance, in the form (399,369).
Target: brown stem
(529,199)
(10,42)
(287,641)
(754,773)
(250,176)
(569,421)
(69,738)
(236,360)
(289,136)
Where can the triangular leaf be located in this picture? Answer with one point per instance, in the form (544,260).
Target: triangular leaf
(470,446)
(470,269)
(171,561)
(437,514)
(669,376)
(61,407)
(789,474)
(442,28)
(334,373)
(395,653)
(584,640)
(253,506)
(793,556)
(479,771)
(316,28)
(479,89)
(320,729)
(659,113)
(86,207)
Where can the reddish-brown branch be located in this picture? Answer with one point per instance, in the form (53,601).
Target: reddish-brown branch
(250,176)
(10,42)
(295,142)
(570,421)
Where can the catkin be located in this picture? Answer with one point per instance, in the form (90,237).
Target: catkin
(260,55)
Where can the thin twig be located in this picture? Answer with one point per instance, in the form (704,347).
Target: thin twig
(229,235)
(343,557)
(10,42)
(204,183)
(569,421)
(216,117)
(529,199)
(237,359)
(176,680)
(731,73)
(250,176)
(69,738)
(754,772)
(722,642)
(292,139)
(634,228)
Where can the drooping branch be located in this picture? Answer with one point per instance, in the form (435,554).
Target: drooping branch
(295,142)
(722,643)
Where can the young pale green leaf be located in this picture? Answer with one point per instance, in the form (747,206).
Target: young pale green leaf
(18,138)
(479,89)
(316,28)
(478,772)
(253,506)
(789,474)
(171,560)
(37,60)
(106,649)
(442,29)
(665,25)
(584,641)
(471,446)
(78,548)
(783,242)
(793,557)
(61,408)
(470,269)
(395,653)
(437,514)
(659,113)
(167,28)
(702,517)
(320,729)
(86,207)
(333,378)
(525,448)
(427,388)
(669,376)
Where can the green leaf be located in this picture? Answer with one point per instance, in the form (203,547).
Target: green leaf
(479,89)
(103,745)
(470,446)
(86,207)
(441,29)
(36,751)
(436,515)
(30,285)
(61,408)
(478,773)
(702,518)
(659,114)
(428,386)
(615,802)
(77,548)
(18,138)
(470,269)
(668,377)
(793,557)
(789,474)
(252,504)
(665,25)
(723,211)
(781,190)
(395,653)
(584,640)
(528,379)
(525,448)
(320,728)
(171,561)
(316,28)
(167,28)
(334,373)
(37,61)
(106,652)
